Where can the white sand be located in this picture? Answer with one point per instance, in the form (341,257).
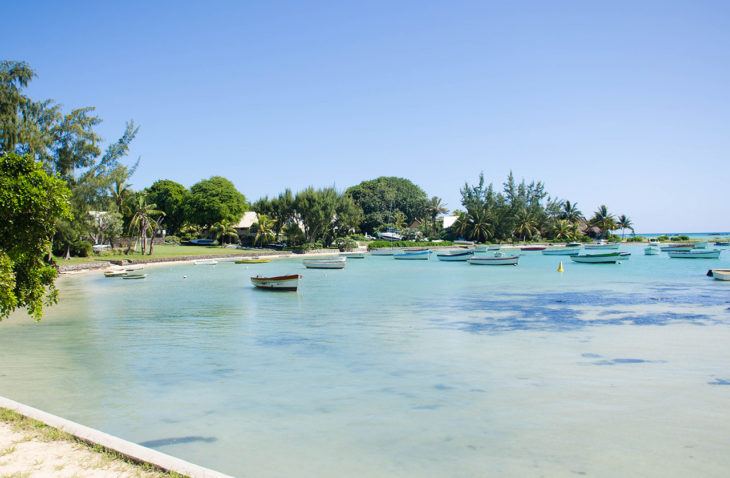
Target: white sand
(24,454)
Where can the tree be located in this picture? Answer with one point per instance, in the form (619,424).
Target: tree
(603,220)
(143,220)
(264,230)
(571,212)
(525,224)
(316,209)
(224,231)
(381,198)
(624,223)
(214,200)
(433,208)
(30,204)
(170,198)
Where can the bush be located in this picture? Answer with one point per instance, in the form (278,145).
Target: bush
(636,239)
(172,240)
(662,238)
(358,237)
(82,249)
(379,244)
(680,238)
(345,244)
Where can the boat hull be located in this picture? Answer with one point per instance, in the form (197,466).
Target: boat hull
(652,251)
(601,247)
(382,252)
(495,261)
(283,283)
(455,256)
(337,263)
(608,258)
(695,254)
(413,256)
(134,276)
(563,251)
(533,248)
(721,275)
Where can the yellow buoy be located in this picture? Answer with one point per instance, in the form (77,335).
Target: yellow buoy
(560,267)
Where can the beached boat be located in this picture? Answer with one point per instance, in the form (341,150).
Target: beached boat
(325,263)
(383,252)
(205,262)
(413,256)
(721,275)
(389,236)
(134,276)
(454,255)
(288,282)
(561,251)
(497,260)
(652,251)
(695,254)
(605,258)
(253,260)
(533,248)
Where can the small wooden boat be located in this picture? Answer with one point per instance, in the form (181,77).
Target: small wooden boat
(288,282)
(461,242)
(605,258)
(677,247)
(652,251)
(383,252)
(497,260)
(625,256)
(353,255)
(562,251)
(413,256)
(721,275)
(574,244)
(611,246)
(455,255)
(325,263)
(115,273)
(253,260)
(134,267)
(711,272)
(695,254)
(134,276)
(533,248)
(205,262)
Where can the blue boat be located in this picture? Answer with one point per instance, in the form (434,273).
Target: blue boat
(413,256)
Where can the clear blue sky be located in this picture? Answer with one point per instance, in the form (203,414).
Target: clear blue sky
(625,103)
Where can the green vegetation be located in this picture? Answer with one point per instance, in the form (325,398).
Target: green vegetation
(42,432)
(382,244)
(388,202)
(162,251)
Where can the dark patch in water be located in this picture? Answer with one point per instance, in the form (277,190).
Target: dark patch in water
(628,360)
(177,441)
(426,407)
(720,381)
(442,387)
(590,355)
(478,390)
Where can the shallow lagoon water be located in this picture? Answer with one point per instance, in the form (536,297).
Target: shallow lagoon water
(395,368)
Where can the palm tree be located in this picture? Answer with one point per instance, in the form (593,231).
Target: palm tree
(293,233)
(223,230)
(480,226)
(563,229)
(624,223)
(143,221)
(603,220)
(264,229)
(525,224)
(433,208)
(461,225)
(571,212)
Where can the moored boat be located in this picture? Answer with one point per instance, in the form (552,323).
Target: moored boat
(287,282)
(676,247)
(721,275)
(462,242)
(353,255)
(206,262)
(454,255)
(625,256)
(115,273)
(383,252)
(134,276)
(533,248)
(701,245)
(652,250)
(500,260)
(605,258)
(325,263)
(413,255)
(711,272)
(252,260)
(722,243)
(695,254)
(562,251)
(611,246)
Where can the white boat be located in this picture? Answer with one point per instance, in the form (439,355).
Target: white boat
(611,246)
(574,244)
(461,242)
(654,242)
(325,263)
(721,275)
(413,256)
(676,247)
(115,273)
(701,245)
(455,255)
(353,255)
(606,258)
(500,260)
(205,262)
(695,254)
(652,251)
(389,236)
(134,276)
(561,251)
(383,252)
(288,282)
(625,256)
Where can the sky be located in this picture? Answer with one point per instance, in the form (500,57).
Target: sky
(622,103)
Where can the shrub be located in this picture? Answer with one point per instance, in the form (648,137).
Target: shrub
(345,244)
(636,239)
(172,240)
(82,249)
(662,238)
(379,244)
(680,238)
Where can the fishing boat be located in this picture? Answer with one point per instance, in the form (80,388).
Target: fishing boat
(353,255)
(701,245)
(413,255)
(533,248)
(134,276)
(574,244)
(609,246)
(288,282)
(605,258)
(497,260)
(115,273)
(252,260)
(652,251)
(721,275)
(462,242)
(454,255)
(711,272)
(205,262)
(325,263)
(383,252)
(677,247)
(562,251)
(625,256)
(695,254)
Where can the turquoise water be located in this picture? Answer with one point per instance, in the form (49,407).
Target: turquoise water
(396,368)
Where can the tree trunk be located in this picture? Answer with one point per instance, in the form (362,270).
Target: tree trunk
(68,252)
